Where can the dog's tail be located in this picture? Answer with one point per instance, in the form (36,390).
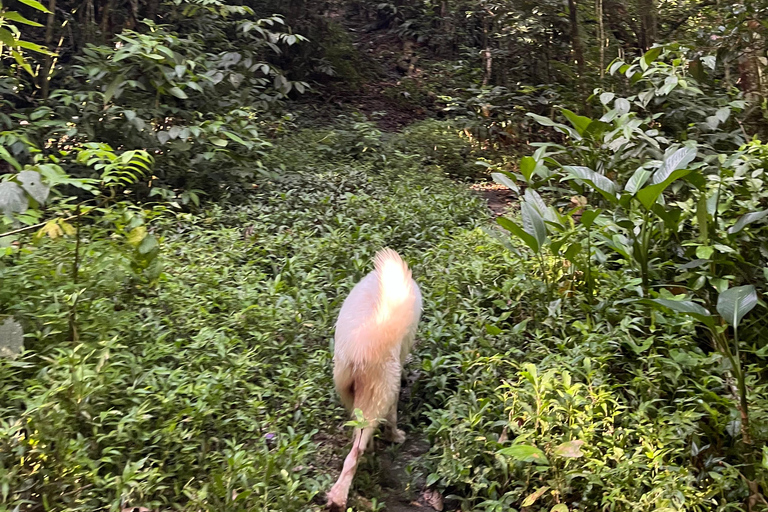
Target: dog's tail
(399,301)
(395,288)
(379,316)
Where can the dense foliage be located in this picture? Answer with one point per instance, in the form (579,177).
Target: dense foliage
(188,190)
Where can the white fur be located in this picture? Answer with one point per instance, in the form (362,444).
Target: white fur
(374,334)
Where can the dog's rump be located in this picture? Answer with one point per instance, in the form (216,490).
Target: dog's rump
(370,389)
(378,319)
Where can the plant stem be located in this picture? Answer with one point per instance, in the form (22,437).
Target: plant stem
(48,64)
(590,291)
(544,275)
(643,246)
(73,335)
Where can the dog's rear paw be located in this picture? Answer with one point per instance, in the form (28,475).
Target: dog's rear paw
(395,435)
(334,502)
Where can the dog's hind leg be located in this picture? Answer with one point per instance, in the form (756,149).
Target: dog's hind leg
(337,496)
(391,432)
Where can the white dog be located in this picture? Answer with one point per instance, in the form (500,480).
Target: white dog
(374,334)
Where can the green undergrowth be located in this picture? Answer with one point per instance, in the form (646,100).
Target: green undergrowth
(211,390)
(210,387)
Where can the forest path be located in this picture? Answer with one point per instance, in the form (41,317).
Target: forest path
(381,100)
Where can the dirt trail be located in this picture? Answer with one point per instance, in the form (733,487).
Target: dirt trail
(499,198)
(403,495)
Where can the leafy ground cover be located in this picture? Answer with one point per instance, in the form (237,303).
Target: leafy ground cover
(209,388)
(188,190)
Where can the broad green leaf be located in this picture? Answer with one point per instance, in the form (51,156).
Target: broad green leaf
(622,106)
(572,252)
(597,128)
(704,252)
(645,97)
(615,66)
(18,18)
(112,88)
(651,55)
(32,182)
(5,155)
(599,182)
(677,160)
(560,507)
(570,449)
(696,179)
(606,97)
(148,244)
(669,85)
(532,197)
(724,249)
(637,180)
(35,5)
(7,38)
(236,138)
(589,216)
(686,307)
(745,220)
(527,166)
(531,499)
(524,453)
(579,122)
(533,222)
(503,178)
(178,93)
(719,284)
(34,47)
(671,216)
(12,198)
(22,62)
(734,303)
(519,232)
(123,54)
(723,114)
(136,235)
(650,194)
(545,121)
(492,330)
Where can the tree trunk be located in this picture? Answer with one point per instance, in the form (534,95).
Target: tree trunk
(106,20)
(648,24)
(152,9)
(751,69)
(578,49)
(600,35)
(618,19)
(48,62)
(487,55)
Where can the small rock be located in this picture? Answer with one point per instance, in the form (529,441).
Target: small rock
(11,338)
(433,498)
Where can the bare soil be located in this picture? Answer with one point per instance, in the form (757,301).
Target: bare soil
(499,198)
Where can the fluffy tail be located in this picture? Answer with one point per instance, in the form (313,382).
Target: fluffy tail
(379,315)
(395,286)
